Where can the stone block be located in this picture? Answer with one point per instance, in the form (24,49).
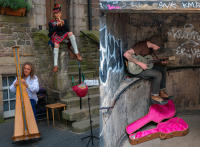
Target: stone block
(34,30)
(25,25)
(28,42)
(39,2)
(84,125)
(8,43)
(21,42)
(23,35)
(133,104)
(40,20)
(3,37)
(14,19)
(19,29)
(15,35)
(28,30)
(27,51)
(6,30)
(95,12)
(77,114)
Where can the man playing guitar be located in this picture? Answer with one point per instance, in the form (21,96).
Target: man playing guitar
(157,73)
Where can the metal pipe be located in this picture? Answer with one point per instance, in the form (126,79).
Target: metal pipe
(73,9)
(89,15)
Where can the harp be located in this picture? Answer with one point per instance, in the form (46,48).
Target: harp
(25,126)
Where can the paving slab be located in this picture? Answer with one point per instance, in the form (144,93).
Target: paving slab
(190,140)
(60,136)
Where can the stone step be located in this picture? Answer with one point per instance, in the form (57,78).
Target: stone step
(77,114)
(91,48)
(84,125)
(84,62)
(74,68)
(90,55)
(93,66)
(89,74)
(76,80)
(75,101)
(92,90)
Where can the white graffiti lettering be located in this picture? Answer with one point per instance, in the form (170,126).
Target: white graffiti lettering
(189,48)
(191,52)
(186,33)
(168,5)
(191,4)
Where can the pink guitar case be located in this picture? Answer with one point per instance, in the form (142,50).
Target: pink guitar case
(157,113)
(171,128)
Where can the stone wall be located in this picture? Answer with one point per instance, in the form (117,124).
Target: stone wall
(180,34)
(55,83)
(129,107)
(183,84)
(79,15)
(17,31)
(37,14)
(14,31)
(149,5)
(24,32)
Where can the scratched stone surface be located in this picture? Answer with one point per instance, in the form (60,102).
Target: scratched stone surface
(129,107)
(184,86)
(150,5)
(180,33)
(118,32)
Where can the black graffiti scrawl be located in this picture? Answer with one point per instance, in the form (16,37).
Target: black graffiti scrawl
(111,58)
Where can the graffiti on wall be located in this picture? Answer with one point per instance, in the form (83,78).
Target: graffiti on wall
(191,45)
(120,4)
(111,58)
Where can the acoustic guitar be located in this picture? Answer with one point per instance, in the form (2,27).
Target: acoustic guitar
(136,69)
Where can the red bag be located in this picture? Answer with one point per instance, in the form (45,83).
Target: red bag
(80,89)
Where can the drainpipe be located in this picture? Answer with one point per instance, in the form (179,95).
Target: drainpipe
(73,9)
(89,15)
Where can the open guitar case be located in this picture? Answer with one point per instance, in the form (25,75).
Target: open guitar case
(173,127)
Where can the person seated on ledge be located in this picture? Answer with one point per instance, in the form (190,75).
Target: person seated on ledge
(58,31)
(30,80)
(157,73)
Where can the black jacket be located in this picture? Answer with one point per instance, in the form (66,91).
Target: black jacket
(60,30)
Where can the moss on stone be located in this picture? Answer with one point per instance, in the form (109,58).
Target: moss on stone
(41,36)
(8,43)
(92,34)
(6,30)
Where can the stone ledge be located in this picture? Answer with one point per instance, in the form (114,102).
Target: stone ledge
(150,5)
(84,125)
(131,103)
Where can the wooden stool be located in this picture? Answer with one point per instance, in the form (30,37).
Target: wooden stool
(52,107)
